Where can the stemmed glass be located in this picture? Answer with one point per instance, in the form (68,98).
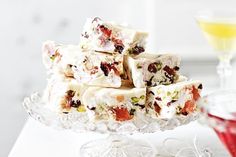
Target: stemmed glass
(219,28)
(219,110)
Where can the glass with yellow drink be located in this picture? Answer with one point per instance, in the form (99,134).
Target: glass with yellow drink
(219,28)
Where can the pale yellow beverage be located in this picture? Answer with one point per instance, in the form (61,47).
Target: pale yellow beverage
(221,35)
(219,27)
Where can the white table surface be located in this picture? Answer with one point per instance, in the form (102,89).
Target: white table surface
(37,140)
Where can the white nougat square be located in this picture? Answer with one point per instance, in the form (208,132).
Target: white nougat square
(91,68)
(64,95)
(112,38)
(116,104)
(152,69)
(168,101)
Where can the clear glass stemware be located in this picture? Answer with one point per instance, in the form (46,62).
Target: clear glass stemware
(219,110)
(219,28)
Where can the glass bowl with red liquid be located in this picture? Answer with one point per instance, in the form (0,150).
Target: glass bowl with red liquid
(219,110)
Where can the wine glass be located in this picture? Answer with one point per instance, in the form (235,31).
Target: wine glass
(219,110)
(219,28)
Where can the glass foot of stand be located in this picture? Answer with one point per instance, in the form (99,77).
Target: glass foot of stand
(117,146)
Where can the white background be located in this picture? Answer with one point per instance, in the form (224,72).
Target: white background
(25,24)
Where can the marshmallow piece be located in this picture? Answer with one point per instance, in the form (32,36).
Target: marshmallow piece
(152,69)
(169,101)
(112,38)
(114,104)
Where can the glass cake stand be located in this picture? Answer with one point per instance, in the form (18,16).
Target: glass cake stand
(117,144)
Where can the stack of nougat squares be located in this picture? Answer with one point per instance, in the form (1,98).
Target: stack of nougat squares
(110,76)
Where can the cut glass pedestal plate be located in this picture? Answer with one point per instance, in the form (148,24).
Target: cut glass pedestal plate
(117,144)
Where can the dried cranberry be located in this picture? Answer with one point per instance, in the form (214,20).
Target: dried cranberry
(117,41)
(149,82)
(170,77)
(137,50)
(92,108)
(176,68)
(169,73)
(184,113)
(118,44)
(118,48)
(70,102)
(158,98)
(200,86)
(70,66)
(76,103)
(132,111)
(70,93)
(116,62)
(169,70)
(152,68)
(169,103)
(195,93)
(105,68)
(106,32)
(157,108)
(142,106)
